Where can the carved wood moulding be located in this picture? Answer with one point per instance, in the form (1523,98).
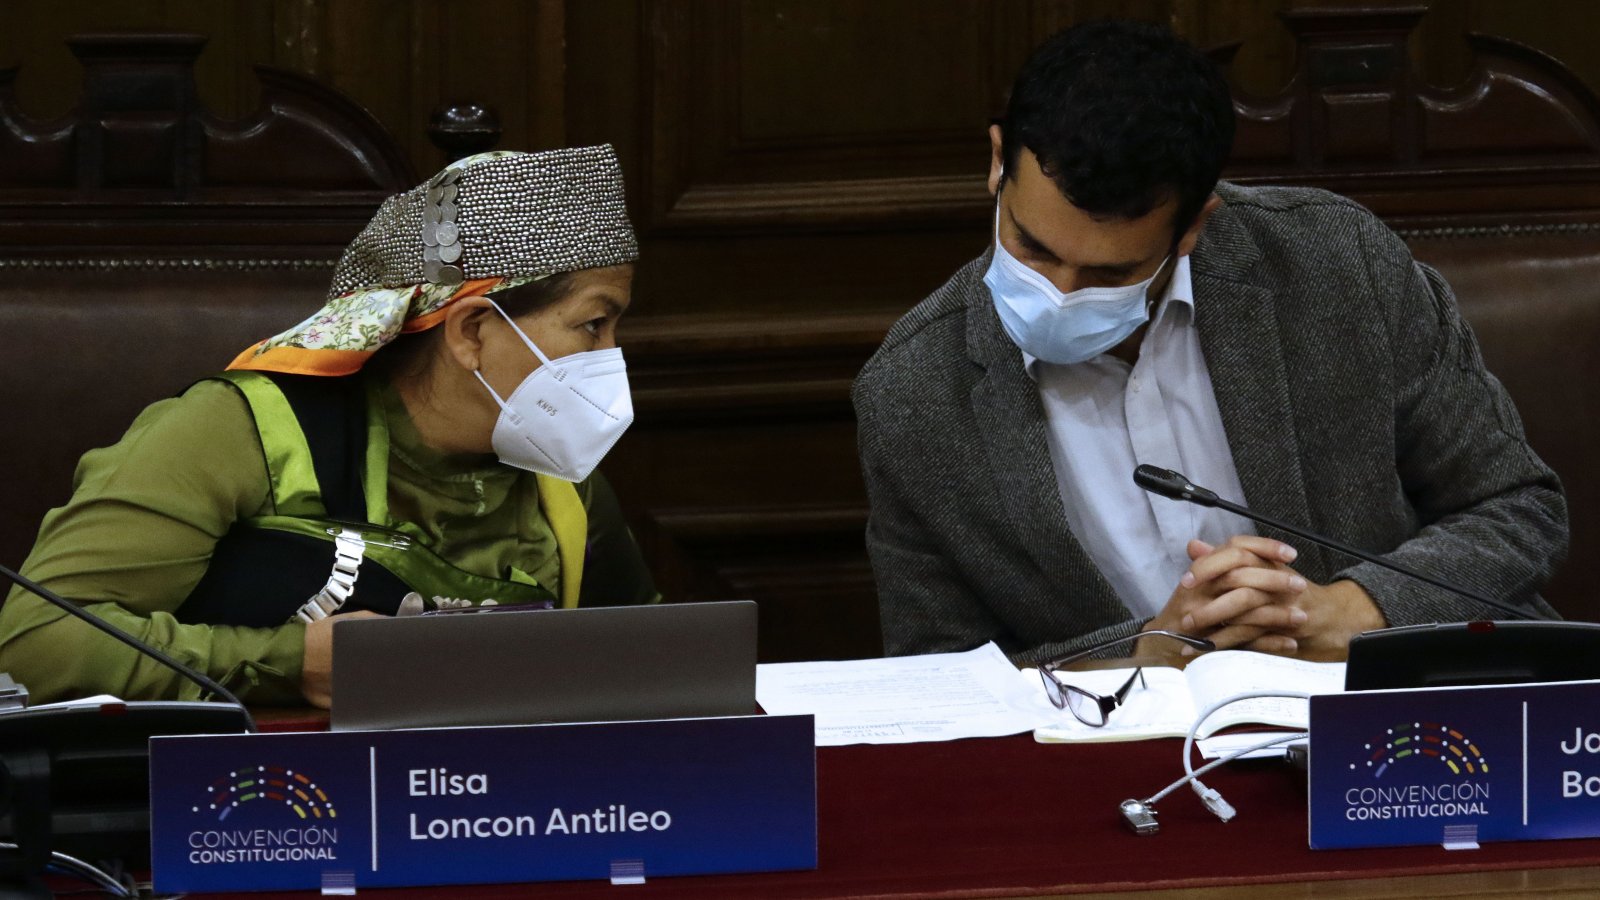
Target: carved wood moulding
(1517,141)
(141,157)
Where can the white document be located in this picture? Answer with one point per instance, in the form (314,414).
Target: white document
(903,699)
(1220,745)
(96,700)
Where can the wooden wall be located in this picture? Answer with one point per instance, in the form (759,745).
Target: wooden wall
(402,58)
(800,171)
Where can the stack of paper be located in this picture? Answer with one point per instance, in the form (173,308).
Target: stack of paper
(901,699)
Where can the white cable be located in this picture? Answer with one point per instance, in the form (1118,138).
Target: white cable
(1274,741)
(86,871)
(1140,815)
(92,873)
(1209,796)
(1188,741)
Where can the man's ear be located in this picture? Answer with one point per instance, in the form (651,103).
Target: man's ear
(463,327)
(997,159)
(1190,237)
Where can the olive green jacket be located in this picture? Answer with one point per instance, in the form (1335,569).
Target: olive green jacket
(138,532)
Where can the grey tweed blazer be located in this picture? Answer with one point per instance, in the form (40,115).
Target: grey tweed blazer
(1352,393)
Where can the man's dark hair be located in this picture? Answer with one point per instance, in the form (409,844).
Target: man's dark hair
(1122,115)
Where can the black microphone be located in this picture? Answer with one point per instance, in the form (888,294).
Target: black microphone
(1174,485)
(50,753)
(94,620)
(1177,486)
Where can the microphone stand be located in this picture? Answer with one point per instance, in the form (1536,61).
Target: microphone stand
(33,740)
(95,621)
(1177,486)
(1434,654)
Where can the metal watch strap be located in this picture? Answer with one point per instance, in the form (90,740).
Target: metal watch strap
(348,549)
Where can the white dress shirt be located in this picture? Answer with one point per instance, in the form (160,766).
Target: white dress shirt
(1107,417)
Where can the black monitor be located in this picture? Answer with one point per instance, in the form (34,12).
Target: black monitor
(76,778)
(1473,653)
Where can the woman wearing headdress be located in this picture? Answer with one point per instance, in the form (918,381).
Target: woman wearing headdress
(427,439)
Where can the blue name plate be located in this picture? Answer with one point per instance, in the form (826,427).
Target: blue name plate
(1455,765)
(482,805)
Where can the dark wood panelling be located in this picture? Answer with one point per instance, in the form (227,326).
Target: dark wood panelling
(238,32)
(803,563)
(300,175)
(717,368)
(141,150)
(735,139)
(400,59)
(144,241)
(403,58)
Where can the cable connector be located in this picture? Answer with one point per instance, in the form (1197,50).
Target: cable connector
(1139,816)
(1214,802)
(1135,812)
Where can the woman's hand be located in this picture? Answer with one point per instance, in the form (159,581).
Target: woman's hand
(316,674)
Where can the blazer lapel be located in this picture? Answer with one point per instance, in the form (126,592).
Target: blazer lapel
(1238,325)
(1010,418)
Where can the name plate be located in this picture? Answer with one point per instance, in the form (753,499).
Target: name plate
(1455,766)
(483,805)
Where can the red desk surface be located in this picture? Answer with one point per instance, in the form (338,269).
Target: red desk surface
(1008,817)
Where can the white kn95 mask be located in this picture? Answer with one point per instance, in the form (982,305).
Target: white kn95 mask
(566,415)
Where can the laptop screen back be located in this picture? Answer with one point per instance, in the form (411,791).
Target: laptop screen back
(506,667)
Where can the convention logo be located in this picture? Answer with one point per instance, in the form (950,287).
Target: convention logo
(1425,770)
(264,814)
(1424,742)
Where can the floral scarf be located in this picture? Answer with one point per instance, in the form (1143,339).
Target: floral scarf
(339,338)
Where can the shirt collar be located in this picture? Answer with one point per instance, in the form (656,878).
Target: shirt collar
(1179,295)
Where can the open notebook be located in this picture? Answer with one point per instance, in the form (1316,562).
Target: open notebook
(1171,698)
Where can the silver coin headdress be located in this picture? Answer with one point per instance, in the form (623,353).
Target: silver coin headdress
(496,215)
(487,223)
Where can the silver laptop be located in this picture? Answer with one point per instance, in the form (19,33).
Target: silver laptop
(505,667)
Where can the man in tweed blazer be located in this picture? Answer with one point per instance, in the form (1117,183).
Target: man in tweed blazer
(1350,392)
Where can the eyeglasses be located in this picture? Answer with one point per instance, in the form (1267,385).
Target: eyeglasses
(1094,709)
(1091,709)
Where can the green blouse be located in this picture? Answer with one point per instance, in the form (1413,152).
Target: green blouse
(145,513)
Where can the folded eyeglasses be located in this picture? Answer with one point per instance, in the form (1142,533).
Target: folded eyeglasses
(1094,709)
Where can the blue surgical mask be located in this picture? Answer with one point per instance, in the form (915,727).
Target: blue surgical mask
(1062,328)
